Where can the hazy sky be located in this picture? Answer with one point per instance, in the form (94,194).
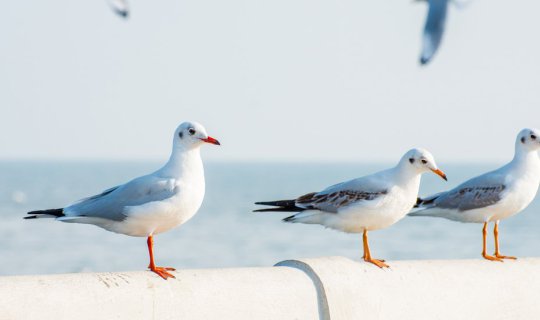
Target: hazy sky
(272,79)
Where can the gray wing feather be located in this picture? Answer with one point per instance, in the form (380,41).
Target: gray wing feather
(332,202)
(111,203)
(476,193)
(434,29)
(343,194)
(97,196)
(470,198)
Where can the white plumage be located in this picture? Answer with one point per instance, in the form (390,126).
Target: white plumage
(149,204)
(368,203)
(495,195)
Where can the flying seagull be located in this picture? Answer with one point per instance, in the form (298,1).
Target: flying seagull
(120,7)
(364,204)
(493,196)
(150,204)
(433,29)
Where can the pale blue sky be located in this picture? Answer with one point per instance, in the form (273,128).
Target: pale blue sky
(273,80)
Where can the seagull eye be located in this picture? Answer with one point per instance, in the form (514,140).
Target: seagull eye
(411,160)
(424,161)
(533,137)
(191,131)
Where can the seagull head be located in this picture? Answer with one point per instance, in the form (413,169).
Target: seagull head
(190,135)
(528,140)
(422,161)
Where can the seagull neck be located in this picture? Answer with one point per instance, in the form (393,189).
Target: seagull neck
(406,174)
(525,159)
(182,161)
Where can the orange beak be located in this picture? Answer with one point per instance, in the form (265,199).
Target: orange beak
(211,140)
(439,173)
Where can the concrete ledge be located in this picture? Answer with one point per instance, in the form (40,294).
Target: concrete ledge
(250,293)
(323,288)
(456,289)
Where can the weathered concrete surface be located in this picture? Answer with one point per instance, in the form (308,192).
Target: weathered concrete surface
(324,288)
(455,289)
(249,293)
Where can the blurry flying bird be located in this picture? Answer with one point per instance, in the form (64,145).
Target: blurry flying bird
(434,29)
(120,7)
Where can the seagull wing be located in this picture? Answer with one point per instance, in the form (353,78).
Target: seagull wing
(341,195)
(111,204)
(479,192)
(332,202)
(434,29)
(120,7)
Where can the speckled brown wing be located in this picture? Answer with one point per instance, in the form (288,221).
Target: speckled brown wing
(332,202)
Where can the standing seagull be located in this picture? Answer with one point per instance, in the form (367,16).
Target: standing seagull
(150,204)
(494,195)
(368,203)
(120,7)
(434,29)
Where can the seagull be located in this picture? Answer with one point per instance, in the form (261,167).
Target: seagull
(434,29)
(368,203)
(494,195)
(150,204)
(120,7)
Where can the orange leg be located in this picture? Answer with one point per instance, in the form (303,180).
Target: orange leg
(484,250)
(160,271)
(367,254)
(497,252)
(364,241)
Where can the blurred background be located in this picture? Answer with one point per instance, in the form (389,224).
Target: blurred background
(302,94)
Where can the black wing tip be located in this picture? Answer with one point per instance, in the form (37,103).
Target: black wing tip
(30,217)
(51,212)
(278,203)
(279,206)
(279,209)
(425,202)
(288,219)
(424,61)
(123,14)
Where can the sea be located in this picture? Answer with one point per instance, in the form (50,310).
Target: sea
(225,233)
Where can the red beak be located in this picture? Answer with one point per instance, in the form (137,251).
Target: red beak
(211,140)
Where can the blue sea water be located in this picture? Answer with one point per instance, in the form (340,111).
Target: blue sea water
(225,233)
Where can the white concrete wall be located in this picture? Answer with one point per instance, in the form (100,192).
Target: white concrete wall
(250,293)
(455,289)
(324,288)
